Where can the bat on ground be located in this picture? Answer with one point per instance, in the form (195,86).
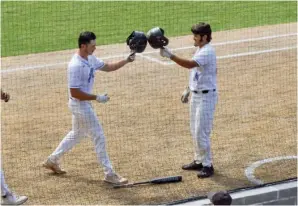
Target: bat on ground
(161,180)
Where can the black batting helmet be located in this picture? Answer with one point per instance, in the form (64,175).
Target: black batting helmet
(137,41)
(156,38)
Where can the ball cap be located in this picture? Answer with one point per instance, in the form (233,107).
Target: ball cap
(220,198)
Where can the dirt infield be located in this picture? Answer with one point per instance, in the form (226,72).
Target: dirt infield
(147,127)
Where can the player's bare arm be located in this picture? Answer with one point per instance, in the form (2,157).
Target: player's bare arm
(137,42)
(83,96)
(184,62)
(109,67)
(165,52)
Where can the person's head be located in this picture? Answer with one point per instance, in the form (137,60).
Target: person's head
(220,198)
(202,33)
(87,43)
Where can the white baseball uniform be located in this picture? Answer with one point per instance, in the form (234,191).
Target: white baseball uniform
(202,81)
(84,120)
(4,187)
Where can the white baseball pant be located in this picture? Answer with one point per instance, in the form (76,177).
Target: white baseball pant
(84,123)
(202,107)
(4,187)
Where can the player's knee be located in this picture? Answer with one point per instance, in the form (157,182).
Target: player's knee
(97,133)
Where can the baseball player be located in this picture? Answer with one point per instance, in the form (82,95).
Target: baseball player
(7,196)
(202,85)
(81,70)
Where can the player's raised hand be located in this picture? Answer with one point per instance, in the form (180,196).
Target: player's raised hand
(165,52)
(102,98)
(131,57)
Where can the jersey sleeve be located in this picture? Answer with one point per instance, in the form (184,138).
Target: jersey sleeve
(202,58)
(98,63)
(74,77)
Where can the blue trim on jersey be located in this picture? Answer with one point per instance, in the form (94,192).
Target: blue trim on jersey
(86,62)
(196,77)
(91,74)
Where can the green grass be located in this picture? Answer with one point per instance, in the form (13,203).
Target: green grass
(31,27)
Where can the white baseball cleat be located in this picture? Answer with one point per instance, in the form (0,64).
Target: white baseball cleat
(115,179)
(12,199)
(54,166)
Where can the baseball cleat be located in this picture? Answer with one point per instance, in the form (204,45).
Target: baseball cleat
(12,199)
(193,166)
(206,172)
(54,166)
(115,179)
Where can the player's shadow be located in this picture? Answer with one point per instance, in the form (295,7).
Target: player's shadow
(230,182)
(98,182)
(52,174)
(126,196)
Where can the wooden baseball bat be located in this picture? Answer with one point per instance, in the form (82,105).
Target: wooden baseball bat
(161,180)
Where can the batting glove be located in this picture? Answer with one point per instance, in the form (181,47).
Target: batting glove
(165,52)
(102,98)
(131,57)
(185,95)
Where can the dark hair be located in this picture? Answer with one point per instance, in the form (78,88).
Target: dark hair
(85,37)
(202,29)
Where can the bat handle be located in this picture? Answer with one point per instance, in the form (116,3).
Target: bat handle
(124,186)
(130,184)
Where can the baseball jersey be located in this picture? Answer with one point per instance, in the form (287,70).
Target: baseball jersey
(203,77)
(81,72)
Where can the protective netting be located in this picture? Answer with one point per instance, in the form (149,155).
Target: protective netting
(147,128)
